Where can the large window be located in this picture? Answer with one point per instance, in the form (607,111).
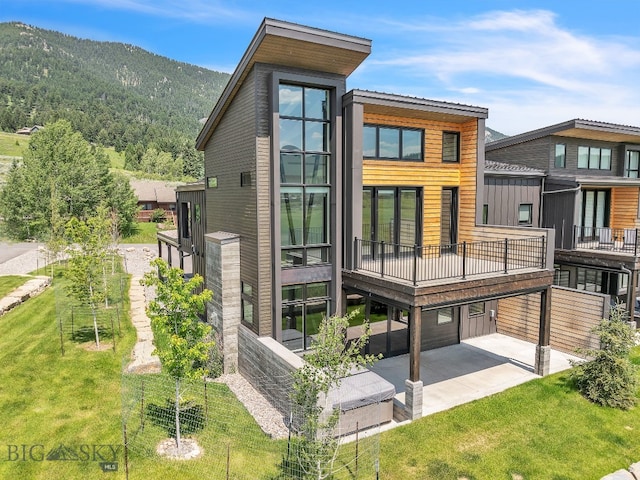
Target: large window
(392,214)
(594,158)
(305,191)
(303,308)
(450,147)
(392,143)
(632,164)
(561,156)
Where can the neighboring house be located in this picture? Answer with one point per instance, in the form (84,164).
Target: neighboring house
(591,198)
(512,194)
(29,130)
(153,195)
(316,198)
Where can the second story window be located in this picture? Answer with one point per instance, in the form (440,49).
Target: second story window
(392,143)
(594,158)
(525,214)
(561,156)
(450,147)
(632,164)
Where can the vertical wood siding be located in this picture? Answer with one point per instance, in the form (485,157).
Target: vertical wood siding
(624,207)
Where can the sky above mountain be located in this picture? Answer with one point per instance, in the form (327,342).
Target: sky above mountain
(532,63)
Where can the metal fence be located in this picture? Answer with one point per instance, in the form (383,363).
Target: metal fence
(421,263)
(605,238)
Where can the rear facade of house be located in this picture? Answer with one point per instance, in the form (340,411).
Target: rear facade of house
(318,200)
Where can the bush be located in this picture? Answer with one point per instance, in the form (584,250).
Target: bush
(158,215)
(609,378)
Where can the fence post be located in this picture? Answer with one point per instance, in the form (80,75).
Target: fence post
(415,264)
(464,259)
(126,452)
(61,336)
(506,255)
(382,258)
(355,254)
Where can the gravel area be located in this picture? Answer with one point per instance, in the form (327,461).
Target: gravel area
(270,420)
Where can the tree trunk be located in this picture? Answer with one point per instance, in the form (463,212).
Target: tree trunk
(95,320)
(178,415)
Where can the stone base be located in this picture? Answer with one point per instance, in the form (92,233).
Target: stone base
(543,360)
(413,399)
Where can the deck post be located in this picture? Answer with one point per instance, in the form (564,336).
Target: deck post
(355,254)
(367,318)
(464,259)
(415,264)
(506,255)
(413,385)
(635,246)
(382,258)
(543,350)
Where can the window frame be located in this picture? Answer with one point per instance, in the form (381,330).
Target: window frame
(302,302)
(627,164)
(246,300)
(529,207)
(401,156)
(563,156)
(590,153)
(455,135)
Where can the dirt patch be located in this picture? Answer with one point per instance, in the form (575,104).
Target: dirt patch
(189,449)
(92,347)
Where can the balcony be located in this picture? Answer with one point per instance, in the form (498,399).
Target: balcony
(424,264)
(613,240)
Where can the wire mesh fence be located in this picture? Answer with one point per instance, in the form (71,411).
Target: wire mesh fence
(221,439)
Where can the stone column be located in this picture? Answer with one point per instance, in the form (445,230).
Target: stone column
(223,279)
(413,399)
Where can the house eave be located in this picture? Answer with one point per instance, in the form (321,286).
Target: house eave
(290,45)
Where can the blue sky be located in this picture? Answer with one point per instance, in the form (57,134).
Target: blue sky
(532,63)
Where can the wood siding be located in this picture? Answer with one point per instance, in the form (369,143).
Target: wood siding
(624,207)
(534,154)
(503,195)
(431,174)
(573,314)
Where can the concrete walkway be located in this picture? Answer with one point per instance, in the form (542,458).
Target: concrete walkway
(468,371)
(142,359)
(30,289)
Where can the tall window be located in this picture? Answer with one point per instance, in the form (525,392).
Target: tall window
(594,158)
(305,190)
(392,143)
(525,214)
(303,307)
(561,156)
(450,147)
(632,164)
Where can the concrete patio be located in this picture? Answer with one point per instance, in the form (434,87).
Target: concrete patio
(473,369)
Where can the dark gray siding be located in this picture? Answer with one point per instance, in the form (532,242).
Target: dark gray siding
(503,195)
(559,210)
(572,144)
(231,208)
(535,153)
(436,336)
(194,245)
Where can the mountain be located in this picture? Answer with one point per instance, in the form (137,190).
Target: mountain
(491,135)
(114,93)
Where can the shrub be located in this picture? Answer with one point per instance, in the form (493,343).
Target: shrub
(609,377)
(158,215)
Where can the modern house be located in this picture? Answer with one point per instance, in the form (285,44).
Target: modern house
(591,197)
(317,198)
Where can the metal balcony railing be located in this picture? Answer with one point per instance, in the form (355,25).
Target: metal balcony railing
(623,240)
(422,263)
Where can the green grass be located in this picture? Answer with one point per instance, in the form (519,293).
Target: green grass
(12,144)
(8,283)
(117,159)
(540,430)
(145,233)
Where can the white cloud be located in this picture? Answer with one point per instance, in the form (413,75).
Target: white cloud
(523,65)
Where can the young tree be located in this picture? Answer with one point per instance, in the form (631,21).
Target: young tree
(179,335)
(86,270)
(609,377)
(332,358)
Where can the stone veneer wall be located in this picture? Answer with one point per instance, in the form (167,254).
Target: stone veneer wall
(223,279)
(268,365)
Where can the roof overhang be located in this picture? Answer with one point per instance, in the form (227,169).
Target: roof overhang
(577,128)
(593,181)
(290,45)
(414,107)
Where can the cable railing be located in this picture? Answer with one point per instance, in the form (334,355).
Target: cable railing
(421,263)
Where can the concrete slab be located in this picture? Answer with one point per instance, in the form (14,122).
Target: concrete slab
(468,371)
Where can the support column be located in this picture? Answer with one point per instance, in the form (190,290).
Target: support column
(367,318)
(543,350)
(169,255)
(631,294)
(413,385)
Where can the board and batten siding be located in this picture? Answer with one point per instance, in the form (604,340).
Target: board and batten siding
(431,174)
(624,207)
(574,313)
(503,195)
(230,151)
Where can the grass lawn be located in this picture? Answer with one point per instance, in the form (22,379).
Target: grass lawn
(145,233)
(12,144)
(10,282)
(540,430)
